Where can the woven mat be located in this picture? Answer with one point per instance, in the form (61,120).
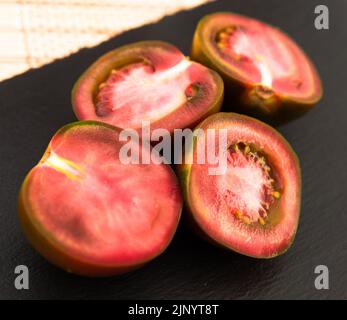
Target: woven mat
(35,32)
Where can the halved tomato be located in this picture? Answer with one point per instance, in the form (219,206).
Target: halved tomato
(92,214)
(147,81)
(266,73)
(253,205)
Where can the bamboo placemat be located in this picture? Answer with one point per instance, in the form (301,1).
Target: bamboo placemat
(35,32)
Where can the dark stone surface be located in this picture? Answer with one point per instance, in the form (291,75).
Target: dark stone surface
(35,104)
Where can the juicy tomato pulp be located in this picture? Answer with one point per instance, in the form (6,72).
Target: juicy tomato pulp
(87,206)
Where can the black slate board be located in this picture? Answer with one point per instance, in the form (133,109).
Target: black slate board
(34,105)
